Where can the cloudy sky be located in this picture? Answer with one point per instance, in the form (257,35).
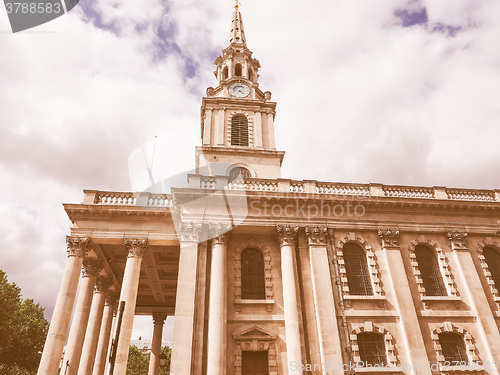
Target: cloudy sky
(394,91)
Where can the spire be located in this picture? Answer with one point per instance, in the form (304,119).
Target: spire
(237,35)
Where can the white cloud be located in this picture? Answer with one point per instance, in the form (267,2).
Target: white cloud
(360,98)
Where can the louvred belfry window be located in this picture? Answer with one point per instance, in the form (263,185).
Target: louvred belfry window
(239,131)
(429,272)
(358,276)
(453,347)
(492,258)
(253,282)
(372,349)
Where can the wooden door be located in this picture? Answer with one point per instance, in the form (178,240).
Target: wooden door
(254,363)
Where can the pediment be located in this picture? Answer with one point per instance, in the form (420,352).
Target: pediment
(254,332)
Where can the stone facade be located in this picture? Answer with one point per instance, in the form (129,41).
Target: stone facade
(342,272)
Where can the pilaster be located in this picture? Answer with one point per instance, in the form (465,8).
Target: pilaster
(408,320)
(476,299)
(328,333)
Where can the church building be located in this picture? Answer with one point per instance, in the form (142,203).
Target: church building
(271,276)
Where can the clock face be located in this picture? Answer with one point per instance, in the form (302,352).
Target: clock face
(239,90)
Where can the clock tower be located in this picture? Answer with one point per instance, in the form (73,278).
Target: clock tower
(237,117)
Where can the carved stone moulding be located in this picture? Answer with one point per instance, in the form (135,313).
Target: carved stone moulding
(103,283)
(287,234)
(390,237)
(92,267)
(78,246)
(458,240)
(136,248)
(220,233)
(159,318)
(189,232)
(316,235)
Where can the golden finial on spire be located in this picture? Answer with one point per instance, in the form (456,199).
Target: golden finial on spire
(237,6)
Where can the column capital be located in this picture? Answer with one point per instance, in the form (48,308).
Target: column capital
(287,234)
(189,232)
(159,318)
(91,267)
(112,299)
(458,240)
(102,284)
(220,233)
(135,247)
(316,235)
(78,246)
(390,237)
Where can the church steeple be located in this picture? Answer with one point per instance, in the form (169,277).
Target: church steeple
(237,117)
(237,34)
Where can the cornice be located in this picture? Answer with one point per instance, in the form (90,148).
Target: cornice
(251,151)
(86,211)
(213,102)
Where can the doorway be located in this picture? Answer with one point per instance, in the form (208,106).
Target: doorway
(254,363)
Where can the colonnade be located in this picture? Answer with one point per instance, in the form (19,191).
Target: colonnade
(95,319)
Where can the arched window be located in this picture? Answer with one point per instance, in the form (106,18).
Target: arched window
(239,172)
(239,131)
(225,73)
(358,277)
(238,71)
(429,272)
(372,349)
(253,282)
(453,347)
(492,258)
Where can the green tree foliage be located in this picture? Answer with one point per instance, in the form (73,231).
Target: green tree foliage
(168,352)
(138,363)
(23,329)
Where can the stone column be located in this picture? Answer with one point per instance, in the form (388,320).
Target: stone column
(408,319)
(182,344)
(270,130)
(475,298)
(217,309)
(135,249)
(54,344)
(219,73)
(287,236)
(110,343)
(230,67)
(154,359)
(207,126)
(71,361)
(257,131)
(324,305)
(245,68)
(105,334)
(95,319)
